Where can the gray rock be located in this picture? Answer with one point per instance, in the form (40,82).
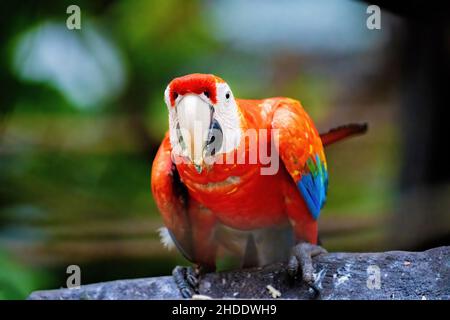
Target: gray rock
(402,275)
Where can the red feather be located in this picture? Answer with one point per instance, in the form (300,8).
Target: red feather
(342,132)
(194,83)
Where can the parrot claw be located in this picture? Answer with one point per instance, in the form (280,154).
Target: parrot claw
(192,277)
(301,260)
(186,293)
(186,280)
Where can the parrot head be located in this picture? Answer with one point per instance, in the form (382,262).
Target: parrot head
(204,119)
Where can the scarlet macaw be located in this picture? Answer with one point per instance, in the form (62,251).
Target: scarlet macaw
(261,218)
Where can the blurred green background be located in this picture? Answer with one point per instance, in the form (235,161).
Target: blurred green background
(82,115)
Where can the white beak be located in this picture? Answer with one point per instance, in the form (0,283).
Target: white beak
(194,118)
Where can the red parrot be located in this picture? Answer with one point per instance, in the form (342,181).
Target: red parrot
(246,176)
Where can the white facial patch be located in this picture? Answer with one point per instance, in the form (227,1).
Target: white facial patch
(227,114)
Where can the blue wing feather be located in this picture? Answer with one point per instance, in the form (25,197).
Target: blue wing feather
(313,186)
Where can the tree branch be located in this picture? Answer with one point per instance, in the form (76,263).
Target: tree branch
(403,275)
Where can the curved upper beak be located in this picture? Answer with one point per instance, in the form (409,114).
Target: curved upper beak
(194,119)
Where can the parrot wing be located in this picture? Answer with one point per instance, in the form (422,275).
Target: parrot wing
(301,150)
(171,197)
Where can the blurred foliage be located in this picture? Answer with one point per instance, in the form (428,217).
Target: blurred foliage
(17,281)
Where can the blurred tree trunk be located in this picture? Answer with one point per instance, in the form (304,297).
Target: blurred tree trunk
(422,217)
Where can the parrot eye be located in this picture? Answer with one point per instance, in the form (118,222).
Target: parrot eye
(175,95)
(206,93)
(227,95)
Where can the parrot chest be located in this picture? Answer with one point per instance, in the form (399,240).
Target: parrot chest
(240,197)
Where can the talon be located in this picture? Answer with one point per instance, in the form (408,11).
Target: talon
(186,293)
(292,266)
(315,289)
(192,277)
(301,258)
(186,280)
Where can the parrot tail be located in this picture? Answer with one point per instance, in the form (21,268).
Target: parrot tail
(342,132)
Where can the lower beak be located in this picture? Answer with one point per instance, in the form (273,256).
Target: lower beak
(194,119)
